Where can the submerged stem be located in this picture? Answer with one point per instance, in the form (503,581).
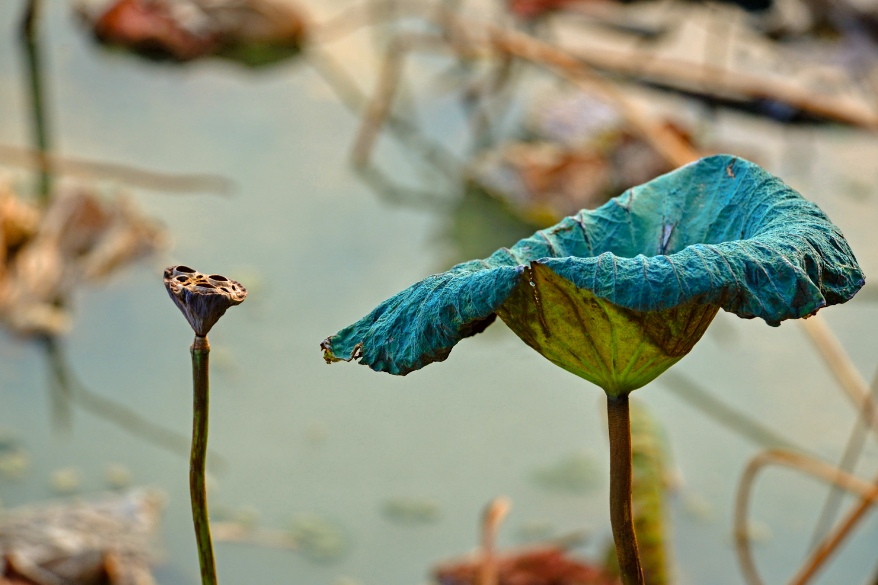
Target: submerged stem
(201,389)
(619,420)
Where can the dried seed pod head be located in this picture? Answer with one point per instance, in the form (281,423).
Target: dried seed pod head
(202,298)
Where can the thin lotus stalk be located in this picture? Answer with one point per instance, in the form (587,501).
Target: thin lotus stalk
(494,515)
(843,368)
(852,451)
(203,300)
(198,493)
(621,516)
(784,458)
(34,61)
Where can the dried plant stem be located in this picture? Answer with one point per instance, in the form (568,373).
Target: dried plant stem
(619,422)
(844,369)
(832,541)
(201,390)
(852,451)
(806,464)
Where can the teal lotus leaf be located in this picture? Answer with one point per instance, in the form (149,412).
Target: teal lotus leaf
(719,232)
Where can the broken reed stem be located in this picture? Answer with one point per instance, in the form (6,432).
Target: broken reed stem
(621,517)
(201,400)
(816,468)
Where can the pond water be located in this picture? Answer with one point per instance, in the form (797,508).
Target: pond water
(318,249)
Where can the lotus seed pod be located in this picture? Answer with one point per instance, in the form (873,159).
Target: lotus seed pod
(203,299)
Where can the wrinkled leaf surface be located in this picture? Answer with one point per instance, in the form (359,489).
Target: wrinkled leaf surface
(720,231)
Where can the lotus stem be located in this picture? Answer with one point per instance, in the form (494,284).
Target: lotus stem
(201,391)
(621,517)
(40,130)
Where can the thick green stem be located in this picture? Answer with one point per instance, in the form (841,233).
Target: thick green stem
(201,389)
(619,420)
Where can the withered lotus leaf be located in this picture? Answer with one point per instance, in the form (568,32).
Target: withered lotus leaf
(618,294)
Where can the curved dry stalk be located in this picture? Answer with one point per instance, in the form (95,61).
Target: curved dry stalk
(851,454)
(793,460)
(831,542)
(843,368)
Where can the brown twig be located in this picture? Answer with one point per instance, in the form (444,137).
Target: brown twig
(851,454)
(803,463)
(831,542)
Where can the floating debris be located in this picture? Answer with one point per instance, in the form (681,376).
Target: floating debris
(251,32)
(576,474)
(80,237)
(105,540)
(14,459)
(65,481)
(412,511)
(319,539)
(118,477)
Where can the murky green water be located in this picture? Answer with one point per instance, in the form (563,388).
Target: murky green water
(319,249)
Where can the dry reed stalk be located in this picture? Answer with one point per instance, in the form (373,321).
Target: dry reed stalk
(781,457)
(834,539)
